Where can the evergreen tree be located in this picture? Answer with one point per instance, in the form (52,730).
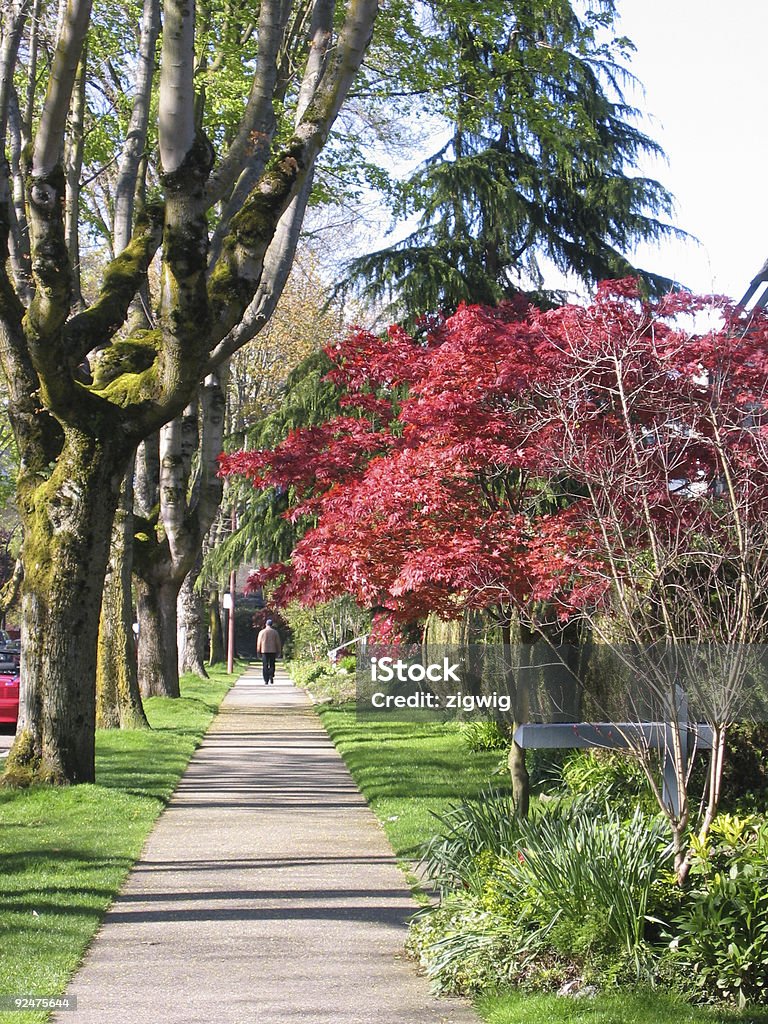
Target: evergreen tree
(537,164)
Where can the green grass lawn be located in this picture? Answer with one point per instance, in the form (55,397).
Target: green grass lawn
(615,1008)
(65,852)
(409,772)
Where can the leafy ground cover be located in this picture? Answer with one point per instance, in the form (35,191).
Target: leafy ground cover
(324,682)
(64,852)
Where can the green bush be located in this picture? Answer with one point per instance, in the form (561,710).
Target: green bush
(719,939)
(470,836)
(484,734)
(347,664)
(464,947)
(323,681)
(305,672)
(589,877)
(568,891)
(607,777)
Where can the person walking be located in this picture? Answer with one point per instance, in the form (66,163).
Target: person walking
(268,645)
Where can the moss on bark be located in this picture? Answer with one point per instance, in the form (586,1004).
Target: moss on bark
(132,356)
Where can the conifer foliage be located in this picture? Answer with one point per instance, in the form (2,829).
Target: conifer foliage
(539,159)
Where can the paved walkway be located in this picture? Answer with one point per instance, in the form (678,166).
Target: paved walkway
(266,894)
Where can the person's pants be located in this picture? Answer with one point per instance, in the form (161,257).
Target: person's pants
(268,667)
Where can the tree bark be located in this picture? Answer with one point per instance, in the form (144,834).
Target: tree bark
(14,19)
(518,770)
(117,685)
(73,167)
(191,616)
(46,154)
(118,700)
(186,510)
(20,256)
(176,113)
(67,524)
(158,663)
(216,652)
(521,780)
(136,139)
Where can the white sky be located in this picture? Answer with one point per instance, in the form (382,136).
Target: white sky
(704,65)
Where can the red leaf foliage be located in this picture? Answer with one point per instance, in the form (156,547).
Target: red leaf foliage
(513,458)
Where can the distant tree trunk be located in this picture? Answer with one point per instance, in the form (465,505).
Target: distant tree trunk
(10,590)
(187,506)
(191,617)
(216,652)
(158,666)
(118,700)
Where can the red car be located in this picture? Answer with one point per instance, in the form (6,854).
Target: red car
(9,697)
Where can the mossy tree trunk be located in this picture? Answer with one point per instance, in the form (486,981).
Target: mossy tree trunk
(118,700)
(216,651)
(67,527)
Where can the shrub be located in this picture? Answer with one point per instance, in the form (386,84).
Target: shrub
(720,935)
(607,777)
(464,947)
(305,672)
(484,734)
(573,885)
(323,681)
(470,836)
(589,877)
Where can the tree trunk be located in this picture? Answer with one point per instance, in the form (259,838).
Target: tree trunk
(158,659)
(67,526)
(187,507)
(136,138)
(191,612)
(10,589)
(118,700)
(521,782)
(73,168)
(216,652)
(518,770)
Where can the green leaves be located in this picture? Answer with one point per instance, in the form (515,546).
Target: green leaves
(719,938)
(537,166)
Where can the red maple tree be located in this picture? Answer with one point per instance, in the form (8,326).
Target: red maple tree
(607,462)
(529,459)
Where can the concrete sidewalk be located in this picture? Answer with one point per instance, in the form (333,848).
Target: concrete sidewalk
(266,894)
